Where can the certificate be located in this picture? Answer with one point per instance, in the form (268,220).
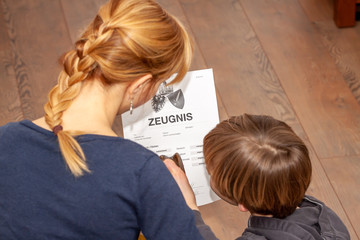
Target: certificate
(176,119)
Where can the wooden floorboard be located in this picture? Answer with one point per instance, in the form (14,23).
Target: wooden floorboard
(322,188)
(10,106)
(319,95)
(78,22)
(175,8)
(319,10)
(309,76)
(344,46)
(39,36)
(246,79)
(283,58)
(345,172)
(15,67)
(342,43)
(243,74)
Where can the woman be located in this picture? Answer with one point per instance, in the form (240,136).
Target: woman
(68,175)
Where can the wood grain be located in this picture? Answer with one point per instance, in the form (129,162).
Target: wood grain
(322,188)
(17,65)
(319,10)
(225,220)
(244,76)
(342,44)
(325,107)
(309,76)
(79,14)
(283,58)
(10,106)
(38,36)
(344,176)
(198,62)
(173,7)
(246,84)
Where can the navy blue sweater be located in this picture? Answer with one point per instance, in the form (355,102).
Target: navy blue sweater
(128,190)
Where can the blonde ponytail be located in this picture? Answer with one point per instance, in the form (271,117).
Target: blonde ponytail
(127,40)
(60,98)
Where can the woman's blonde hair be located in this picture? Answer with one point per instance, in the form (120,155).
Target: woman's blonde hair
(259,162)
(127,40)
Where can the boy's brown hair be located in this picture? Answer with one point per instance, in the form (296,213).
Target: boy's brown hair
(259,162)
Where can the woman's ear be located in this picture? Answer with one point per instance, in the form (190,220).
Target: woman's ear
(242,208)
(137,85)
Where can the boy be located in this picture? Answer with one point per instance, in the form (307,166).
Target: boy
(259,164)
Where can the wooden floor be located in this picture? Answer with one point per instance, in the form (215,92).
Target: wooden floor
(284,58)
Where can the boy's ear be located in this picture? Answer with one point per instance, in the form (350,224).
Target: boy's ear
(136,85)
(242,208)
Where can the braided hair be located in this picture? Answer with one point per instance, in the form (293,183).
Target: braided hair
(126,40)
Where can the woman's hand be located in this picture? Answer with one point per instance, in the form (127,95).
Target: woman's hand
(183,183)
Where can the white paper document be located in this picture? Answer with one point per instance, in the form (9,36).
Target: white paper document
(176,119)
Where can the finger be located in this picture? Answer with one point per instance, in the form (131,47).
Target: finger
(170,164)
(175,171)
(172,167)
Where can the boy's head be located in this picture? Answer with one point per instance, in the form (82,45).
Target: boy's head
(258,162)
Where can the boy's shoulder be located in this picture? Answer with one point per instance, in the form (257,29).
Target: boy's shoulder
(251,236)
(299,225)
(330,223)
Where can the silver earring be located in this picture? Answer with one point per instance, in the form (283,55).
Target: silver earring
(131,106)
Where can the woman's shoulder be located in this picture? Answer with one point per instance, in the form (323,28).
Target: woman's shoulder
(13,124)
(12,128)
(114,145)
(118,152)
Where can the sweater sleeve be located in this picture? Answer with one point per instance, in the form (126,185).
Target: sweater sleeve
(162,210)
(204,229)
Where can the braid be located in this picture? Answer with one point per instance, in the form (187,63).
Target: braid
(78,65)
(126,40)
(76,69)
